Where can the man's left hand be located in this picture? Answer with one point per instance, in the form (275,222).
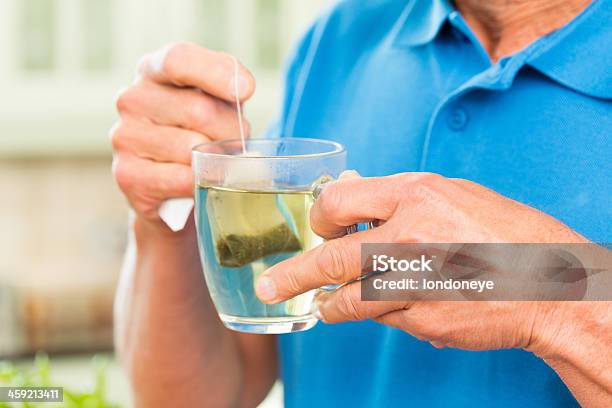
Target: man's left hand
(419,208)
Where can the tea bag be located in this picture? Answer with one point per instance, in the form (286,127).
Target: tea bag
(236,250)
(250,224)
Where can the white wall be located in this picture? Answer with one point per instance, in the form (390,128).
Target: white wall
(68,108)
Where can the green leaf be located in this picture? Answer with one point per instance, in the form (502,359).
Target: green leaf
(7,372)
(44,369)
(41,376)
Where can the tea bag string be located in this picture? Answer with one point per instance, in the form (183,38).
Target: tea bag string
(238,106)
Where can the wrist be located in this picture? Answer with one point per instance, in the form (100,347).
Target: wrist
(155,230)
(164,255)
(554,329)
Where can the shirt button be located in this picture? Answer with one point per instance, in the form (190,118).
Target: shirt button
(457,119)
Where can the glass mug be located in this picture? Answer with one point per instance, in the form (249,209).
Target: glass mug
(253,211)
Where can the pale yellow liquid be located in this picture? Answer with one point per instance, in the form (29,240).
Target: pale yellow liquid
(240,235)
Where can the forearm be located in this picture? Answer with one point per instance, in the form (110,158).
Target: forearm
(579,350)
(170,340)
(589,393)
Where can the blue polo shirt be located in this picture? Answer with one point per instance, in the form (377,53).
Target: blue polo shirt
(406,86)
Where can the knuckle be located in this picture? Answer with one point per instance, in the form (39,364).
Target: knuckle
(118,136)
(332,262)
(347,306)
(199,113)
(403,235)
(126,99)
(425,188)
(461,181)
(174,60)
(413,179)
(469,185)
(292,283)
(122,173)
(431,178)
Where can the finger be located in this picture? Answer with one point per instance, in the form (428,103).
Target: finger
(357,200)
(402,319)
(345,304)
(333,262)
(421,320)
(157,143)
(139,178)
(186,107)
(349,174)
(187,64)
(353,200)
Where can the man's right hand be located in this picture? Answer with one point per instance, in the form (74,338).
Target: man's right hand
(167,333)
(183,95)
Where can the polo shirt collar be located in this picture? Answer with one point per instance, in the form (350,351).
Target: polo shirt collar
(420,22)
(578,55)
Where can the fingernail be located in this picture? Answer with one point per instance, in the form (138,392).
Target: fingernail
(243,86)
(266,289)
(346,174)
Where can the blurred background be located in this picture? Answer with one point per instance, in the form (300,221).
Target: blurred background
(62,220)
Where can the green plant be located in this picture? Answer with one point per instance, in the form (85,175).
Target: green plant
(40,376)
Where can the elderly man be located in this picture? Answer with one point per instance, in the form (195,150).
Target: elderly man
(497,113)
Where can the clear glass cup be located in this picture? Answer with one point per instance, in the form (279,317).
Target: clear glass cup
(252,211)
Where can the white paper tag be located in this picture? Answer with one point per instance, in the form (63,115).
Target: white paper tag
(249,174)
(175,212)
